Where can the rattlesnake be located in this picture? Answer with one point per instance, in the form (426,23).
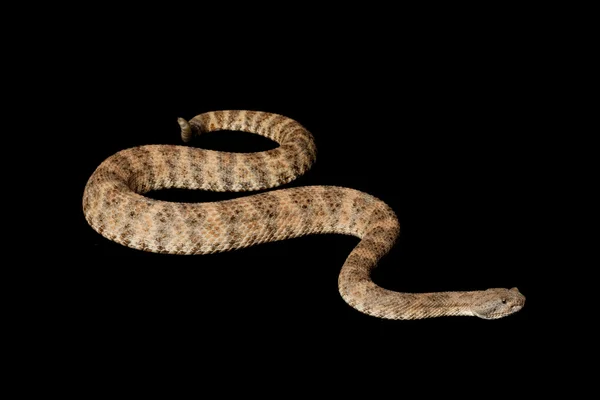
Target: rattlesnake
(114,206)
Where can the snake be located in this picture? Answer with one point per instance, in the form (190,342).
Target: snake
(115,206)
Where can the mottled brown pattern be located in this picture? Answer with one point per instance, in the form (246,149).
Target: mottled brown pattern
(114,205)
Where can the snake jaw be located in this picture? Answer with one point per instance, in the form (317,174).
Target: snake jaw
(497,303)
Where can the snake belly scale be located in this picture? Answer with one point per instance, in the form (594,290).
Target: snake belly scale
(115,206)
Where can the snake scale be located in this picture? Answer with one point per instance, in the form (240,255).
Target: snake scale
(114,205)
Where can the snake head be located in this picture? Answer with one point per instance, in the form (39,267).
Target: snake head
(497,303)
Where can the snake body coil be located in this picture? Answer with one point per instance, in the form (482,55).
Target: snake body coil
(114,205)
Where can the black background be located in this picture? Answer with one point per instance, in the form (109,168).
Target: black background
(441,125)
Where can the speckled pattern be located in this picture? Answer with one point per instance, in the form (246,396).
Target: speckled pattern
(114,205)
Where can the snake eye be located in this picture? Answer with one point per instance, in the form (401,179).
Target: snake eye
(503,301)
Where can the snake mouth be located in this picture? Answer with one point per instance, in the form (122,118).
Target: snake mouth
(492,316)
(500,314)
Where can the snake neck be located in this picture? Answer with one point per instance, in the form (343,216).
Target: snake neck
(376,301)
(359,291)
